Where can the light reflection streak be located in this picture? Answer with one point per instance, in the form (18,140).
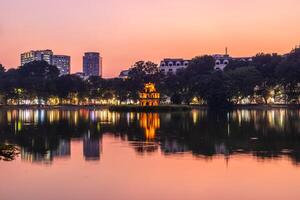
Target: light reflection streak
(150,122)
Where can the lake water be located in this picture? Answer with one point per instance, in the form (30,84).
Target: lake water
(97,154)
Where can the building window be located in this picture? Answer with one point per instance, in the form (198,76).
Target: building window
(178,64)
(170,70)
(170,64)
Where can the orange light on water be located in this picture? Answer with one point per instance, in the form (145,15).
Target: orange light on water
(150,122)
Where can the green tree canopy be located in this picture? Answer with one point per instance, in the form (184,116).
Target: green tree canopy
(244,80)
(288,74)
(201,65)
(39,69)
(218,90)
(68,84)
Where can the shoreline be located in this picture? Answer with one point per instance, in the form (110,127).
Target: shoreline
(159,108)
(163,107)
(69,107)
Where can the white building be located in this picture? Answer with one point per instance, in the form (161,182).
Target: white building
(170,65)
(221,61)
(38,55)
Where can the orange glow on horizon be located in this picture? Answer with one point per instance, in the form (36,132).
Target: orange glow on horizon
(128,31)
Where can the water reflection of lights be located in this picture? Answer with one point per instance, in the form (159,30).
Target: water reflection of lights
(275,118)
(130,117)
(140,130)
(195,115)
(45,158)
(150,122)
(75,117)
(24,117)
(105,116)
(53,116)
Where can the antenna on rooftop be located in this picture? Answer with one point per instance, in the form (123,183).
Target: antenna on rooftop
(226,51)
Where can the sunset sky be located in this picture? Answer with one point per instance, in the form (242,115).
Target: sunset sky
(125,31)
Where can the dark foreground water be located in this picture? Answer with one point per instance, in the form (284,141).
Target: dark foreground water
(96,154)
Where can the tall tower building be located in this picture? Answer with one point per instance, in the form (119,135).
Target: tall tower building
(92,64)
(62,62)
(30,56)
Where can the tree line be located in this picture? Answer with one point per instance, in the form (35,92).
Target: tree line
(267,78)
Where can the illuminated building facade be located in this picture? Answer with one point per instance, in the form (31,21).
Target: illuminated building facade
(62,62)
(92,64)
(39,55)
(149,96)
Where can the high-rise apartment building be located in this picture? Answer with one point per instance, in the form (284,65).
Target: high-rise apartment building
(30,56)
(92,64)
(62,62)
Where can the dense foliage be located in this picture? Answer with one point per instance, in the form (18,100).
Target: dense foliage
(268,78)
